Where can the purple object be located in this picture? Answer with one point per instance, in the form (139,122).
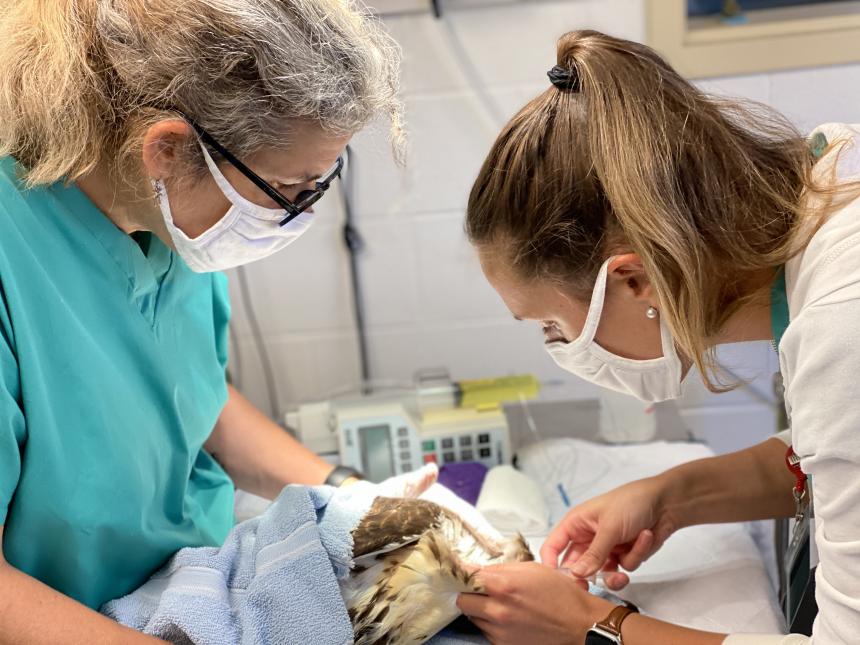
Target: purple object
(464,479)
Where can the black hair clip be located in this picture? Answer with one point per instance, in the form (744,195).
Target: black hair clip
(564,78)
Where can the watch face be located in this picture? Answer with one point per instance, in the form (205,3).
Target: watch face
(596,638)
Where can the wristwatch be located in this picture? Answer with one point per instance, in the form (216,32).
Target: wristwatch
(340,474)
(608,631)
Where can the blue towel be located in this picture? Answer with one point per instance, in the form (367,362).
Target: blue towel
(273,581)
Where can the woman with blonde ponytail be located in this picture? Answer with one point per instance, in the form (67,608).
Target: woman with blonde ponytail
(146,145)
(643,223)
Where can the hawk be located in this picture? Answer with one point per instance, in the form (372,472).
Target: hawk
(412,557)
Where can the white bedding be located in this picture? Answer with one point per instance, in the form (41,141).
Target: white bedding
(708,577)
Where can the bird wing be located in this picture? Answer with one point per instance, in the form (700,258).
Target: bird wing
(392,523)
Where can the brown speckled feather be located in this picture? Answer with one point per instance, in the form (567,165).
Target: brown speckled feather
(390,523)
(410,564)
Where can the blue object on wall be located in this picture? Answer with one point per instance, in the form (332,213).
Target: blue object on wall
(715,7)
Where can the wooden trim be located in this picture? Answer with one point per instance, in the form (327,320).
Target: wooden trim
(772,39)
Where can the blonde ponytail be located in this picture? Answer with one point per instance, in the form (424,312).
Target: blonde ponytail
(630,156)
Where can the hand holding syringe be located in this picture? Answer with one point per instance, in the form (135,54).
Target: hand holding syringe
(607,580)
(613,533)
(593,578)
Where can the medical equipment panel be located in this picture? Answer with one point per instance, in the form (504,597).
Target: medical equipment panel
(388,434)
(383,441)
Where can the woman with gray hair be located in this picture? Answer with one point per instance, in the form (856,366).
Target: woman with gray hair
(147,145)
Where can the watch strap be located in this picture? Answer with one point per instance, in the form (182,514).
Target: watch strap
(340,474)
(612,623)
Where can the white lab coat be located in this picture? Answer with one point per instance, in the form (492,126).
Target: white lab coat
(820,363)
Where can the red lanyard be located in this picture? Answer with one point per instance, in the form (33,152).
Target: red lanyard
(792,461)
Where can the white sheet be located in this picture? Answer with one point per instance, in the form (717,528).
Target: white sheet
(708,577)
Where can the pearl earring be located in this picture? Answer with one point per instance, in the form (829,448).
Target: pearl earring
(651,313)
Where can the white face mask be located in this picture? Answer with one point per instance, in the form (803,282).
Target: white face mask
(246,233)
(653,380)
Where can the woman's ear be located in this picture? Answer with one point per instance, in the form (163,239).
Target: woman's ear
(161,145)
(627,269)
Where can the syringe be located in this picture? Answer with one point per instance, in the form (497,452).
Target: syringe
(597,578)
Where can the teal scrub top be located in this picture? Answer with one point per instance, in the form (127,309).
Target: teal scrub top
(112,376)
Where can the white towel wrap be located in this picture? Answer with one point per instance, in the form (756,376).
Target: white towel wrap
(512,502)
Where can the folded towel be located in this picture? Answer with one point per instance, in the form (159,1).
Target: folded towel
(274,580)
(273,577)
(513,503)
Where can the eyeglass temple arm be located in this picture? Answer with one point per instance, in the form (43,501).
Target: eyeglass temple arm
(258,181)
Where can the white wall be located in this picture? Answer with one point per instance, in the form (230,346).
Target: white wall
(427,302)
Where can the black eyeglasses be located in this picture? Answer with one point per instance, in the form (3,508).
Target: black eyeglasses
(304,200)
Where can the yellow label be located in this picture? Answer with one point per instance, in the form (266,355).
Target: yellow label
(495,391)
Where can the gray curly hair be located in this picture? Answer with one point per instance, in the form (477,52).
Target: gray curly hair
(81,80)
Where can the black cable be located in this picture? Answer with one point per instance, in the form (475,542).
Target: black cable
(354,245)
(265,362)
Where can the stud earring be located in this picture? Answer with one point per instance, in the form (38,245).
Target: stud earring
(651,313)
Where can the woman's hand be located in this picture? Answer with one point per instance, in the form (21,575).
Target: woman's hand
(526,602)
(623,527)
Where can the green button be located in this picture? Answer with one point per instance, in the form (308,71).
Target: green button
(429,445)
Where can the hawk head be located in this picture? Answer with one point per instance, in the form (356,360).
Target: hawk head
(412,559)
